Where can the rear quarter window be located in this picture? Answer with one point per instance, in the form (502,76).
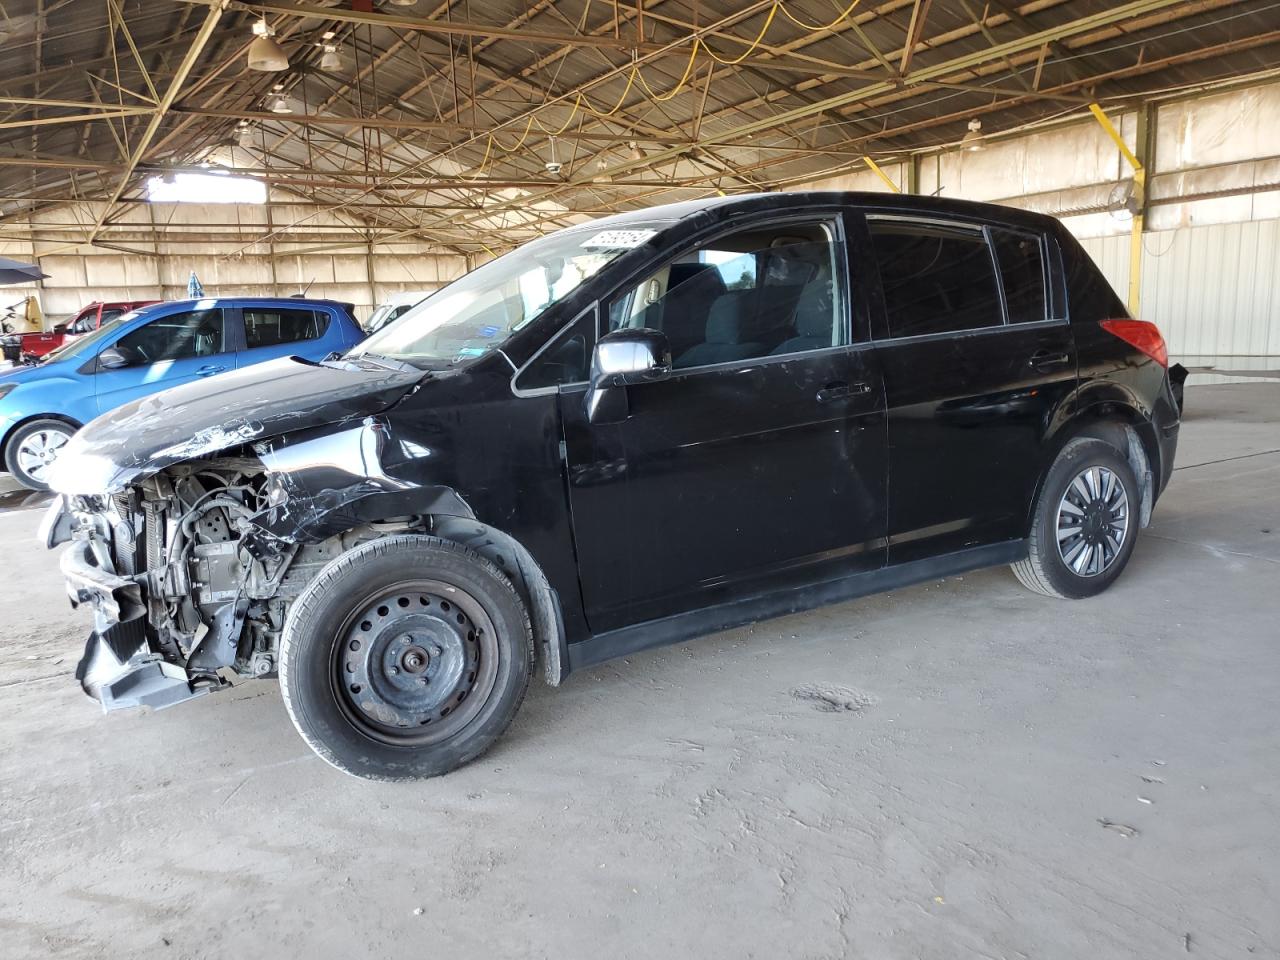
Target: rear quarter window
(1023,274)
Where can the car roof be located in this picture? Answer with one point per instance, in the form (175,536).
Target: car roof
(724,207)
(239,301)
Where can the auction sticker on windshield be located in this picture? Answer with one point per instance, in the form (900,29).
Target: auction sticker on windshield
(619,239)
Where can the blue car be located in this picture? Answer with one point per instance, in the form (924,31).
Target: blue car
(149,350)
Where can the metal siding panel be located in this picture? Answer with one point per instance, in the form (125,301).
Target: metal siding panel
(1269,307)
(1213,290)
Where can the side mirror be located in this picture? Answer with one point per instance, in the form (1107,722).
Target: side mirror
(621,359)
(113,359)
(625,357)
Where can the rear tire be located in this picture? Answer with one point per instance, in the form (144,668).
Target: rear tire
(405,658)
(33,447)
(1085,523)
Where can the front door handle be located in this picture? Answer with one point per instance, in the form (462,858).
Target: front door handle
(210,370)
(1048,358)
(840,390)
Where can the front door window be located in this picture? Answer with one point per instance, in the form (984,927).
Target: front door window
(756,293)
(194,333)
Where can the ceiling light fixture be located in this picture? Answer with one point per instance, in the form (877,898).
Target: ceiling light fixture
(554,165)
(332,60)
(264,53)
(281,105)
(973,141)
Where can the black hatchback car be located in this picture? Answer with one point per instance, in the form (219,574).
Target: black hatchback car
(624,434)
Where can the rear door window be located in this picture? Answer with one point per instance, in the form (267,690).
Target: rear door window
(936,278)
(1022,274)
(270,326)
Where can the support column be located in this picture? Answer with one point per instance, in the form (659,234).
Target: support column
(271,245)
(1139,201)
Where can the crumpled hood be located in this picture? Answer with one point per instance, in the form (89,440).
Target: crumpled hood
(207,416)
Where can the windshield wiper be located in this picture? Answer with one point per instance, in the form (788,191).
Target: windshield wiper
(390,363)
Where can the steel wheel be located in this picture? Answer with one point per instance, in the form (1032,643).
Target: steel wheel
(415,664)
(1092,521)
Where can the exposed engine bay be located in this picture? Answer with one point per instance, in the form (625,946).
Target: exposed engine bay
(187,591)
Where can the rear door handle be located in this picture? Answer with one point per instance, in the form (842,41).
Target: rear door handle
(209,370)
(1047,358)
(839,391)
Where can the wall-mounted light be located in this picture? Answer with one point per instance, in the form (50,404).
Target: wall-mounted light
(264,53)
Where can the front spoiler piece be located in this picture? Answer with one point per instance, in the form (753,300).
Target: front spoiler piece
(144,680)
(118,668)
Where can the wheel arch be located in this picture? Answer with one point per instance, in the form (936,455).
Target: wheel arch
(1118,423)
(531,583)
(448,516)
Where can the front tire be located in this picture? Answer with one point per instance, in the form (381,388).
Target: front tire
(405,658)
(1085,523)
(32,449)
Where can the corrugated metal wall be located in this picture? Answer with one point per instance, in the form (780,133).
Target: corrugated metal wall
(1214,291)
(1211,261)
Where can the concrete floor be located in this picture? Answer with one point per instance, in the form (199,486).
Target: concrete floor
(960,769)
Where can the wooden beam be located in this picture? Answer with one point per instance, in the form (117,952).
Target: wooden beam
(914,32)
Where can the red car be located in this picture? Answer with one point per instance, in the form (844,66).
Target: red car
(28,346)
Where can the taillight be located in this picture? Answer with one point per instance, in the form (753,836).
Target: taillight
(1142,334)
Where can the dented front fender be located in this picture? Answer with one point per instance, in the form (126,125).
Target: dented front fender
(324,482)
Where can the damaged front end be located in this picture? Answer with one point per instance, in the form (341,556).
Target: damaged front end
(179,598)
(172,513)
(190,571)
(191,543)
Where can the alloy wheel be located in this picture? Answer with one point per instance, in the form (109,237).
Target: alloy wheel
(1092,521)
(38,450)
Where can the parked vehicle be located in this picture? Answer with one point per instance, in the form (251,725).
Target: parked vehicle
(144,351)
(395,307)
(621,435)
(29,347)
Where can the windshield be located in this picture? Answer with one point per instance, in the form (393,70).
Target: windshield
(375,321)
(87,345)
(478,312)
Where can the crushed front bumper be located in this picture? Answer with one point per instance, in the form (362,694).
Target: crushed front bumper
(119,669)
